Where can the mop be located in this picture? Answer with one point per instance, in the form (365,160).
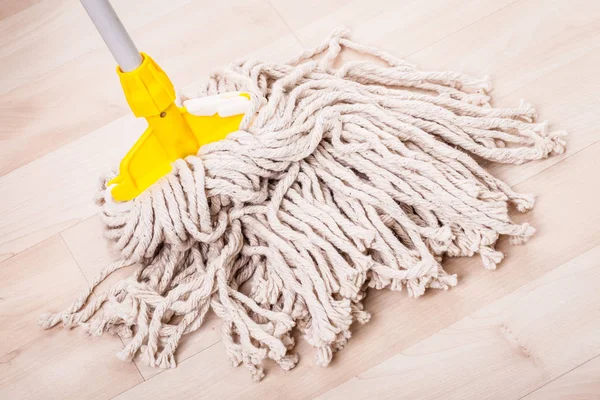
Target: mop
(336,180)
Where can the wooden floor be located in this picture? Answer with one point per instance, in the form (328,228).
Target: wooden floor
(529,330)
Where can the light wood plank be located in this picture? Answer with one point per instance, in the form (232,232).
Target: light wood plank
(214,378)
(519,43)
(92,253)
(582,383)
(55,364)
(66,365)
(56,191)
(402,26)
(52,32)
(89,248)
(566,229)
(84,94)
(26,291)
(516,344)
(11,7)
(567,98)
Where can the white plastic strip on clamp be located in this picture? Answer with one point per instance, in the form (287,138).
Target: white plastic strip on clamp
(224,104)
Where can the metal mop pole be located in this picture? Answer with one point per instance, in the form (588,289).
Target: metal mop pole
(114,33)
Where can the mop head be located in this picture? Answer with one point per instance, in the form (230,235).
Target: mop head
(340,179)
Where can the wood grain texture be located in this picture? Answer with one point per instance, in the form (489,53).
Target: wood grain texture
(56,191)
(519,43)
(519,338)
(66,365)
(60,33)
(57,364)
(581,383)
(403,26)
(566,99)
(527,329)
(10,7)
(24,292)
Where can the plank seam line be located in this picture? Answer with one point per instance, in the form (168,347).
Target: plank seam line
(560,376)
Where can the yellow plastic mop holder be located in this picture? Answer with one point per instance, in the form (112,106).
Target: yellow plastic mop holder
(172,131)
(147,88)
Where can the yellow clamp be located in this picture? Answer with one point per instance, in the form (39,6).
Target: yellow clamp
(173,132)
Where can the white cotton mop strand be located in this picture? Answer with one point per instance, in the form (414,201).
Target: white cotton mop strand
(339,180)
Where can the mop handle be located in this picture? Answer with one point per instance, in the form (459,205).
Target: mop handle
(114,33)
